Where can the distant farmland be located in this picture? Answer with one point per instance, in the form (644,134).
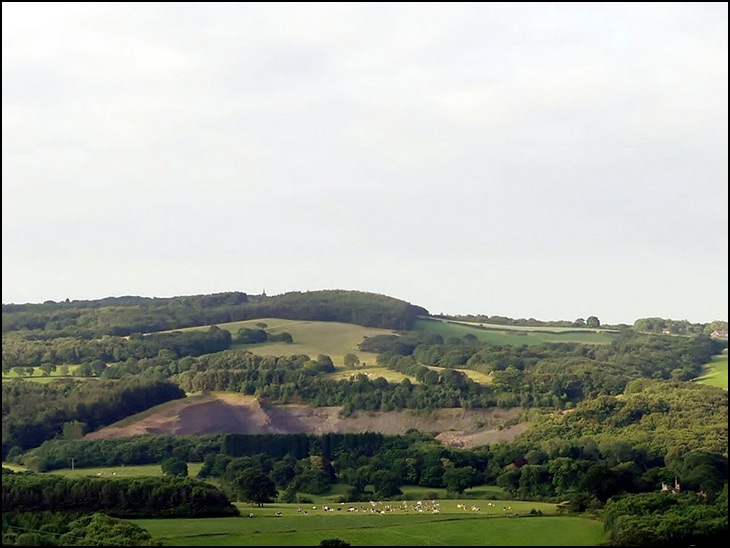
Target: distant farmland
(452,527)
(512,335)
(334,339)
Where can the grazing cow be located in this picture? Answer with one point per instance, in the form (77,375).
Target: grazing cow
(250,515)
(278,514)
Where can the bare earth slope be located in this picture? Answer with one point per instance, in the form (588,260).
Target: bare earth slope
(233,413)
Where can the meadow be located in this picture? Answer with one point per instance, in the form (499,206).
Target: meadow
(38,374)
(491,525)
(122,471)
(508,335)
(312,338)
(537,328)
(715,372)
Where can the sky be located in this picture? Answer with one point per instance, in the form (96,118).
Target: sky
(552,161)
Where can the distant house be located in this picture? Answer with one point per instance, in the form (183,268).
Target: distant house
(717,334)
(666,331)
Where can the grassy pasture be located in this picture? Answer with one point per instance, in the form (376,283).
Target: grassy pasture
(512,337)
(311,338)
(122,471)
(536,328)
(715,372)
(38,375)
(452,526)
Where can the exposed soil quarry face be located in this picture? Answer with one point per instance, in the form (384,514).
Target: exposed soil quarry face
(234,413)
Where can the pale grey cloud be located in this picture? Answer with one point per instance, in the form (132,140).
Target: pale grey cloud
(547,160)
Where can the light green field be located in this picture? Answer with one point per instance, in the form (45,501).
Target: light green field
(373,372)
(534,328)
(311,338)
(14,467)
(511,336)
(452,526)
(123,471)
(38,374)
(715,372)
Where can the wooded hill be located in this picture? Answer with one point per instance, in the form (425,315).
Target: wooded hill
(123,316)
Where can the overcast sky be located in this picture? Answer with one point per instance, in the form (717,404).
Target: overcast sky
(549,161)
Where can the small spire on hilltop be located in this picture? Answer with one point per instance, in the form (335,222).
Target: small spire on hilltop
(263,292)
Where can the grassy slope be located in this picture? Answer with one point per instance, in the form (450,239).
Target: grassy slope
(451,527)
(311,338)
(716,372)
(510,336)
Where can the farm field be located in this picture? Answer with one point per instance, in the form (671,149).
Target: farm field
(311,338)
(715,372)
(536,328)
(452,526)
(511,336)
(123,471)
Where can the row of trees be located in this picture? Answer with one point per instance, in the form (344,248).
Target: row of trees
(677,327)
(590,321)
(121,497)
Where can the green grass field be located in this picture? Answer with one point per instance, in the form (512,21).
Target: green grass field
(534,328)
(452,526)
(38,375)
(511,336)
(123,471)
(715,372)
(311,338)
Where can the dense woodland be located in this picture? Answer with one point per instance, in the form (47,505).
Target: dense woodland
(610,423)
(127,315)
(71,529)
(119,497)
(33,413)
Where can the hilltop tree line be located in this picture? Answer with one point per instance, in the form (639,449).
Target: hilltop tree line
(590,321)
(677,327)
(20,352)
(128,315)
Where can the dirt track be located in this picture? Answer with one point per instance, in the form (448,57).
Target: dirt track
(232,413)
